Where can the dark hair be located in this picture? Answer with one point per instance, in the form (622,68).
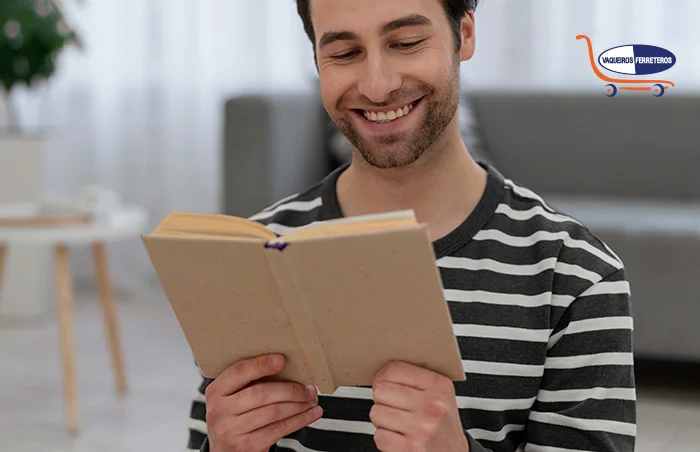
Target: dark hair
(455,10)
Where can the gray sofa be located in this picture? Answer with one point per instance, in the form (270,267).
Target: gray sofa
(627,167)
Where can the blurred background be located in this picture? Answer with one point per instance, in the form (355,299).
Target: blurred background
(213,106)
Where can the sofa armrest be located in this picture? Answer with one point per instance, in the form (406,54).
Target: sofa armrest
(274,146)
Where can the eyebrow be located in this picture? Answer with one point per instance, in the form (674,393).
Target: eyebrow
(412,20)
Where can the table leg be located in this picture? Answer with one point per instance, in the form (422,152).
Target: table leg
(110,314)
(64,292)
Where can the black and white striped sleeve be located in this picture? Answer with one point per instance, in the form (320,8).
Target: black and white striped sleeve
(197,440)
(587,399)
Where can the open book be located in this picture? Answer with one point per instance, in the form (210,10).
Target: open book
(340,298)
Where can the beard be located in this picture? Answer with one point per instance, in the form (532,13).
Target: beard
(404,148)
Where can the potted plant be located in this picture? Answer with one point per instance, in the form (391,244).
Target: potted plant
(33,33)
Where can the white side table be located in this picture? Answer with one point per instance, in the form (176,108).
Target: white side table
(126,223)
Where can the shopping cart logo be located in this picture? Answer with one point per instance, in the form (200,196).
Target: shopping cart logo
(637,59)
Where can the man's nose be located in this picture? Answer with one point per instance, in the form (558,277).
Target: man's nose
(379,79)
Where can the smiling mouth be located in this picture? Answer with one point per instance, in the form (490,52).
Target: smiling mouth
(388,115)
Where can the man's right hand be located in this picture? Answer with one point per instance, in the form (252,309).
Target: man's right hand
(245,415)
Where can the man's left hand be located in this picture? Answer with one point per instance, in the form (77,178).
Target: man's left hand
(415,410)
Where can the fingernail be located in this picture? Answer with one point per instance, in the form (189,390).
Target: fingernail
(275,361)
(312,391)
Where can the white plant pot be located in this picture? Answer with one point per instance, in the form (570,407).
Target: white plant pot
(21,174)
(24,291)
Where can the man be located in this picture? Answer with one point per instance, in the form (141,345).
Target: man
(540,305)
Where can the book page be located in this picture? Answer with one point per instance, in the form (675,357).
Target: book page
(215,225)
(355,225)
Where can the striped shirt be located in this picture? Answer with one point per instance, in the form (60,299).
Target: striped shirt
(541,312)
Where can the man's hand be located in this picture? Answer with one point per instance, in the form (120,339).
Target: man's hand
(243,415)
(415,410)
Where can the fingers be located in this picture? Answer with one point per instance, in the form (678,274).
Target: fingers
(390,418)
(271,433)
(269,414)
(245,412)
(388,441)
(243,373)
(395,395)
(262,394)
(411,375)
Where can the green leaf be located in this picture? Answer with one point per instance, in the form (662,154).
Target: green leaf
(29,56)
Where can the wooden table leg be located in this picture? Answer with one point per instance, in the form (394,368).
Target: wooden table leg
(64,293)
(110,315)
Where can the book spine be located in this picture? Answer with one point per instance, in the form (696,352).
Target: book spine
(301,317)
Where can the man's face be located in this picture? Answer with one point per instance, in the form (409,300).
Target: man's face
(389,74)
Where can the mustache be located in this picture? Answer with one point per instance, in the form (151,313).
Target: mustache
(396,97)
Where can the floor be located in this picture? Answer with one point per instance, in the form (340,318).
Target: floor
(160,371)
(162,377)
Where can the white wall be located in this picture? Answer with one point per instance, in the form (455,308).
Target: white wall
(532,43)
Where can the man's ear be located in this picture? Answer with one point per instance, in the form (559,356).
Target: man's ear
(466,50)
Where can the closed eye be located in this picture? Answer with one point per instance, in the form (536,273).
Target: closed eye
(345,56)
(408,45)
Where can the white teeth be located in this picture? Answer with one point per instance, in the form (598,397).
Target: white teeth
(388,116)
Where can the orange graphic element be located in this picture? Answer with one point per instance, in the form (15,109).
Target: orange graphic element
(657,87)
